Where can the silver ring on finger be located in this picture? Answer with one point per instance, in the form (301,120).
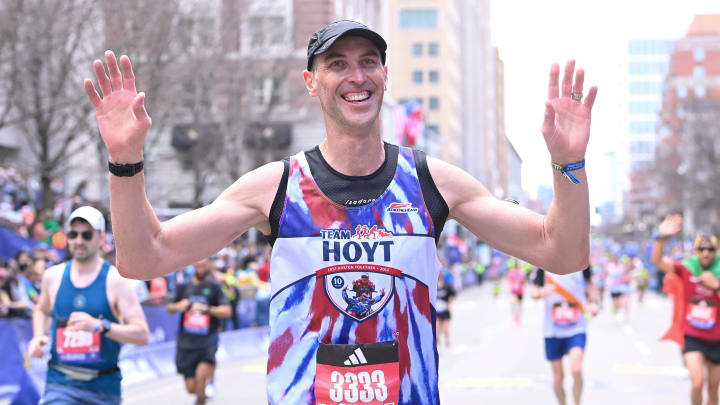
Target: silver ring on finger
(576,96)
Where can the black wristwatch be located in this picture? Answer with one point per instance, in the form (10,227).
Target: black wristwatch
(125,169)
(106,325)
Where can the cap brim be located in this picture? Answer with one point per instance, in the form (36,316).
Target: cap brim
(366,33)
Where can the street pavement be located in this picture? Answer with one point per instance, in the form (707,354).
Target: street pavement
(492,360)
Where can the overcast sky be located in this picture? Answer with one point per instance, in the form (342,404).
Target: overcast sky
(532,34)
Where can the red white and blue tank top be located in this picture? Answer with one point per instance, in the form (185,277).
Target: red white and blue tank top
(349,276)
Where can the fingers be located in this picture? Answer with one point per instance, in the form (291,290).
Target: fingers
(114,70)
(579,79)
(103,81)
(138,107)
(127,73)
(590,99)
(567,78)
(549,119)
(553,83)
(92,93)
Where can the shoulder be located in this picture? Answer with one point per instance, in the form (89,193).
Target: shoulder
(256,188)
(455,184)
(53,274)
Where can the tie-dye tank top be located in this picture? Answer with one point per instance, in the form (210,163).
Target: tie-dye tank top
(353,275)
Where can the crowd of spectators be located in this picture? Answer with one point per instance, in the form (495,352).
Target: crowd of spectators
(242,268)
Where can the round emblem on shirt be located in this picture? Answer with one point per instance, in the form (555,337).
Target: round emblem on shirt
(79,301)
(206,291)
(338,282)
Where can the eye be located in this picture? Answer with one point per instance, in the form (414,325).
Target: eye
(370,62)
(336,64)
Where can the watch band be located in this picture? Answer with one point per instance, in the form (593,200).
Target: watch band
(106,325)
(125,169)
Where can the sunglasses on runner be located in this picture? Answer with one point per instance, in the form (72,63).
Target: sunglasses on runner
(709,249)
(87,235)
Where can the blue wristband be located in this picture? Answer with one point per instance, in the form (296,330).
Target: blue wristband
(565,170)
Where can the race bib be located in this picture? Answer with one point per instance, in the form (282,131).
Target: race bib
(564,314)
(357,374)
(196,323)
(701,314)
(77,346)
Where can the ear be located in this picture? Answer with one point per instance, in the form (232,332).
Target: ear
(385,68)
(310,83)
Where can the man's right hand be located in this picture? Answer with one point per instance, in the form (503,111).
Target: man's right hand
(670,225)
(35,347)
(120,113)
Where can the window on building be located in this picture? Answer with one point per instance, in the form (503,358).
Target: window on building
(433,49)
(266,31)
(642,127)
(642,87)
(432,130)
(434,76)
(269,91)
(434,103)
(647,68)
(699,72)
(417,49)
(644,107)
(699,54)
(417,76)
(418,18)
(681,90)
(700,91)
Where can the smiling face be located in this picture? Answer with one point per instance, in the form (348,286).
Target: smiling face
(349,79)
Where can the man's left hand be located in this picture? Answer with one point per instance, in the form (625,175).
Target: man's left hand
(566,126)
(83,321)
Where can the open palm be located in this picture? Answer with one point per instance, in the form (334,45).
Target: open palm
(670,225)
(566,126)
(121,115)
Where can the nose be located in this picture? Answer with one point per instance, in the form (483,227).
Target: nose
(357,74)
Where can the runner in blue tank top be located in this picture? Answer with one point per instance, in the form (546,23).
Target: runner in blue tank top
(86,310)
(352,207)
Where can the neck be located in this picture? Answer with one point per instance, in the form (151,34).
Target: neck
(87,267)
(354,155)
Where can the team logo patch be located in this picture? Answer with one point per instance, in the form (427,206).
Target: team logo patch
(361,293)
(79,301)
(401,208)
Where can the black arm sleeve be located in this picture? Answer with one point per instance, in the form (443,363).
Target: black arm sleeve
(587,275)
(539,279)
(434,201)
(278,204)
(179,292)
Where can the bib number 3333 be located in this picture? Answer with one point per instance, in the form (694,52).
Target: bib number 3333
(357,374)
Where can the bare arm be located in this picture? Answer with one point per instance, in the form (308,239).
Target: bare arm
(668,227)
(558,241)
(220,311)
(147,248)
(41,316)
(131,327)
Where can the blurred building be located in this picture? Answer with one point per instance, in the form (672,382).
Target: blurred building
(441,56)
(648,63)
(249,92)
(425,65)
(692,91)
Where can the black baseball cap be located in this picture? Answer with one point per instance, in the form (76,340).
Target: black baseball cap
(322,39)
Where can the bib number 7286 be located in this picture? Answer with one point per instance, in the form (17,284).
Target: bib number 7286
(372,386)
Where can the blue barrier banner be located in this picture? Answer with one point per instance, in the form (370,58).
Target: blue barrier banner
(15,382)
(163,325)
(11,243)
(24,381)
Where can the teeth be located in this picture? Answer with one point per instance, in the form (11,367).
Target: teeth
(357,96)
